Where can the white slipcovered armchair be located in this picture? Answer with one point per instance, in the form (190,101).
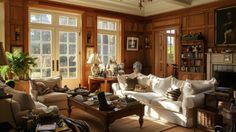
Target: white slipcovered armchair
(53,98)
(21,103)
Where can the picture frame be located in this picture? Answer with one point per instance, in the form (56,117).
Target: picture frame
(228,58)
(225,26)
(132,44)
(17,47)
(89,38)
(89,51)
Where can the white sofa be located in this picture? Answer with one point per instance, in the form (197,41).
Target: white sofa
(182,111)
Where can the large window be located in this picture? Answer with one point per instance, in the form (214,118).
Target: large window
(54,39)
(170,46)
(108,39)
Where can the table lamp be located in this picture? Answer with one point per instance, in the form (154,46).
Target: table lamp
(94,59)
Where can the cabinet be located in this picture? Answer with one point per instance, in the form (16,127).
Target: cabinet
(192,60)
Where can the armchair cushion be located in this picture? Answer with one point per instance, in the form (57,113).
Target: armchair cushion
(41,88)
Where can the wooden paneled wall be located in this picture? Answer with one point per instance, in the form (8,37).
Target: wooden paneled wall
(16,12)
(191,20)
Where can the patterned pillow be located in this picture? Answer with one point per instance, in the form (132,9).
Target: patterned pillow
(131,83)
(173,94)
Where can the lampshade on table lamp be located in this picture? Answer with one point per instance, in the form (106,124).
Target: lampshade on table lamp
(3,59)
(94,59)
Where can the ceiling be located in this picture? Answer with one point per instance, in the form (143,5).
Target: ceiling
(132,6)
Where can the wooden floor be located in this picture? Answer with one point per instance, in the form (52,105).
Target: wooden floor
(129,124)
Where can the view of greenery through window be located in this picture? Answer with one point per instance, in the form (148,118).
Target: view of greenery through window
(170,46)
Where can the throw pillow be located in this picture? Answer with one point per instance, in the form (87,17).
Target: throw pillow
(131,83)
(41,88)
(163,85)
(173,94)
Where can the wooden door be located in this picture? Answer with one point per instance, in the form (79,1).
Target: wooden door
(160,53)
(166,51)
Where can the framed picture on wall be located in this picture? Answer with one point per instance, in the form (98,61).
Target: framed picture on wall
(225,26)
(17,47)
(132,43)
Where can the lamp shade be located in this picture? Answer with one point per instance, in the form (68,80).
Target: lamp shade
(3,60)
(94,59)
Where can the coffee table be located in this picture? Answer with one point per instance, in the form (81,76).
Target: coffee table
(108,117)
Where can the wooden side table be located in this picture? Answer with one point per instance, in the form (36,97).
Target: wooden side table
(95,80)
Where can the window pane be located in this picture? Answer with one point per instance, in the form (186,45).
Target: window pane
(63,72)
(99,49)
(63,37)
(112,39)
(35,18)
(46,18)
(72,37)
(72,49)
(72,72)
(63,20)
(46,61)
(35,35)
(46,35)
(41,18)
(46,73)
(46,49)
(72,22)
(63,61)
(35,48)
(105,39)
(105,50)
(99,38)
(63,49)
(72,61)
(105,59)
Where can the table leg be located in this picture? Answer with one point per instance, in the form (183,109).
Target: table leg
(106,87)
(140,121)
(69,110)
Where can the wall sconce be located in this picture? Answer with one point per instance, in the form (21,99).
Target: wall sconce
(17,33)
(147,43)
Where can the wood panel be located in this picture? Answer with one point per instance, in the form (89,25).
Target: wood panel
(196,20)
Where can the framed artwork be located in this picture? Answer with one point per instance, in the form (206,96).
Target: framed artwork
(132,44)
(89,38)
(90,51)
(17,47)
(225,26)
(228,58)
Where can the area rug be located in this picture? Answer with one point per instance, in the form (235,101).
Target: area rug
(126,124)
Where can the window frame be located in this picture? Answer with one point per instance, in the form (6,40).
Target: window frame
(116,32)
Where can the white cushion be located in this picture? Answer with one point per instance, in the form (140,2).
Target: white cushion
(162,86)
(146,97)
(197,86)
(167,104)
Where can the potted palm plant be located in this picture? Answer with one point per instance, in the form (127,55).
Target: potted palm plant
(19,65)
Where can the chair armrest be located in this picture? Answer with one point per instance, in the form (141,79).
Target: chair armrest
(195,100)
(10,108)
(117,90)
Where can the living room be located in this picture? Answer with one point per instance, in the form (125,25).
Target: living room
(63,35)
